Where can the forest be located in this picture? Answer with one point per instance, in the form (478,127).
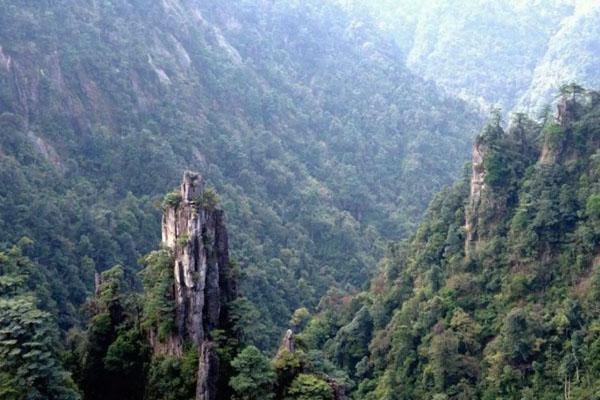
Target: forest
(298,200)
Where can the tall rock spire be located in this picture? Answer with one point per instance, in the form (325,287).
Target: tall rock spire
(193,229)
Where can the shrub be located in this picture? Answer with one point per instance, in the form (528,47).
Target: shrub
(172,199)
(310,387)
(208,199)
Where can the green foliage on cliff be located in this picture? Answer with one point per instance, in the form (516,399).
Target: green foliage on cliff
(514,317)
(173,378)
(110,358)
(172,199)
(254,377)
(30,358)
(158,298)
(208,199)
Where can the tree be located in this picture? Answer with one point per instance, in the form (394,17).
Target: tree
(159,303)
(444,359)
(115,356)
(254,377)
(310,387)
(300,318)
(29,364)
(592,208)
(571,89)
(518,336)
(353,340)
(173,378)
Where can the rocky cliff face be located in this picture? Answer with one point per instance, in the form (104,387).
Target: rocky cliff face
(477,187)
(195,231)
(498,157)
(571,107)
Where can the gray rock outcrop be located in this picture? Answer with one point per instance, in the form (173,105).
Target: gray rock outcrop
(289,343)
(475,196)
(197,236)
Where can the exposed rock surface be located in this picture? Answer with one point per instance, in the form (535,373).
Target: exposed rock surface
(571,107)
(198,238)
(338,390)
(289,342)
(477,187)
(208,369)
(4,60)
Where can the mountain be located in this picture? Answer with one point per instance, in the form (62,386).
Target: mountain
(321,130)
(495,296)
(572,56)
(509,54)
(320,142)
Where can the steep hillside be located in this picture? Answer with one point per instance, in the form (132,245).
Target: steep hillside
(495,296)
(319,140)
(512,54)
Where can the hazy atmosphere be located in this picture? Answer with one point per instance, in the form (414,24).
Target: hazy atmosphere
(300,200)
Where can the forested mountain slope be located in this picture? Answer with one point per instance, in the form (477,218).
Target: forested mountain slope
(496,295)
(573,55)
(509,53)
(320,142)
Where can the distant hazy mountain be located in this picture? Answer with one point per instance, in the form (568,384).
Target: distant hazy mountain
(573,54)
(495,52)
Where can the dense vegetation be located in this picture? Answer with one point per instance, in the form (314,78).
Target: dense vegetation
(323,148)
(103,105)
(122,352)
(508,313)
(494,297)
(30,363)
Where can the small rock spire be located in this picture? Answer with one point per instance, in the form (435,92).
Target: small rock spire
(192,186)
(289,342)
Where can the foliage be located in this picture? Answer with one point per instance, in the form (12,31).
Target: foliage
(30,364)
(130,95)
(172,199)
(511,316)
(254,376)
(173,378)
(299,318)
(114,353)
(208,199)
(309,387)
(516,55)
(158,299)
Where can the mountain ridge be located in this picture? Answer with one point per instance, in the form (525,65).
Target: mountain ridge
(494,295)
